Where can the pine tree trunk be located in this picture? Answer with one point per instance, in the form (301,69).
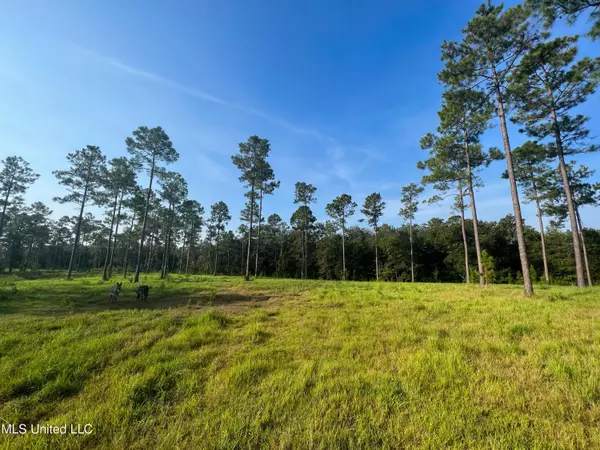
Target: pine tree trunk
(107,258)
(138,265)
(464,234)
(165,258)
(569,197)
(126,258)
(585,257)
(242,256)
(187,261)
(258,233)
(527,285)
(542,235)
(247,277)
(216,251)
(149,252)
(376,257)
(343,253)
(412,265)
(26,265)
(77,233)
(280,261)
(229,258)
(181,254)
(114,246)
(302,232)
(474,212)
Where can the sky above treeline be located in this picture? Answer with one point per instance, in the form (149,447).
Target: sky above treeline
(344,90)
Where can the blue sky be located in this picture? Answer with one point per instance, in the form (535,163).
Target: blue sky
(344,90)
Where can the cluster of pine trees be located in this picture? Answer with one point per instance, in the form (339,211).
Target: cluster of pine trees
(505,67)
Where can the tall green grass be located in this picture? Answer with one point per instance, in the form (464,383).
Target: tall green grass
(215,362)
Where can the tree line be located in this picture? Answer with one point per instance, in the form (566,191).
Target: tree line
(505,67)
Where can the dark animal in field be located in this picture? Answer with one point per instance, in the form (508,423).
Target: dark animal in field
(115,290)
(142,292)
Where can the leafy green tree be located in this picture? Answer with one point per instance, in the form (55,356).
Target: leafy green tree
(37,229)
(251,161)
(304,194)
(279,230)
(489,267)
(192,215)
(303,220)
(548,85)
(15,178)
(60,235)
(533,173)
(410,200)
(373,210)
(340,209)
(137,205)
(118,182)
(219,218)
(584,193)
(447,175)
(174,191)
(464,116)
(150,146)
(267,186)
(493,43)
(550,10)
(83,181)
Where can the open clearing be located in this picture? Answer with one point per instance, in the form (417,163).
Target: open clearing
(214,362)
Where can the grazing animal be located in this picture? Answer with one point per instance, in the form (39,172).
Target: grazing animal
(115,290)
(142,292)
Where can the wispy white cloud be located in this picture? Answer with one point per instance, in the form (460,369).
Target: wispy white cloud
(198,93)
(346,162)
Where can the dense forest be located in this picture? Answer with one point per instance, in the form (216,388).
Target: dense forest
(505,68)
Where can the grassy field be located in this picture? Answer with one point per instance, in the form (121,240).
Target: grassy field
(214,362)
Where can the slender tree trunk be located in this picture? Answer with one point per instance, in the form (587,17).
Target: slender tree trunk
(80,252)
(191,239)
(114,246)
(343,253)
(376,257)
(569,197)
(280,261)
(242,256)
(527,285)
(107,258)
(216,251)
(247,277)
(474,212)
(181,254)
(165,259)
(173,255)
(55,261)
(229,259)
(77,232)
(4,209)
(258,233)
(412,264)
(464,234)
(138,265)
(126,258)
(302,252)
(26,265)
(542,234)
(585,257)
(306,253)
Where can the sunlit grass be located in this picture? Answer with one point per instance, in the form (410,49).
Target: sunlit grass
(215,362)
